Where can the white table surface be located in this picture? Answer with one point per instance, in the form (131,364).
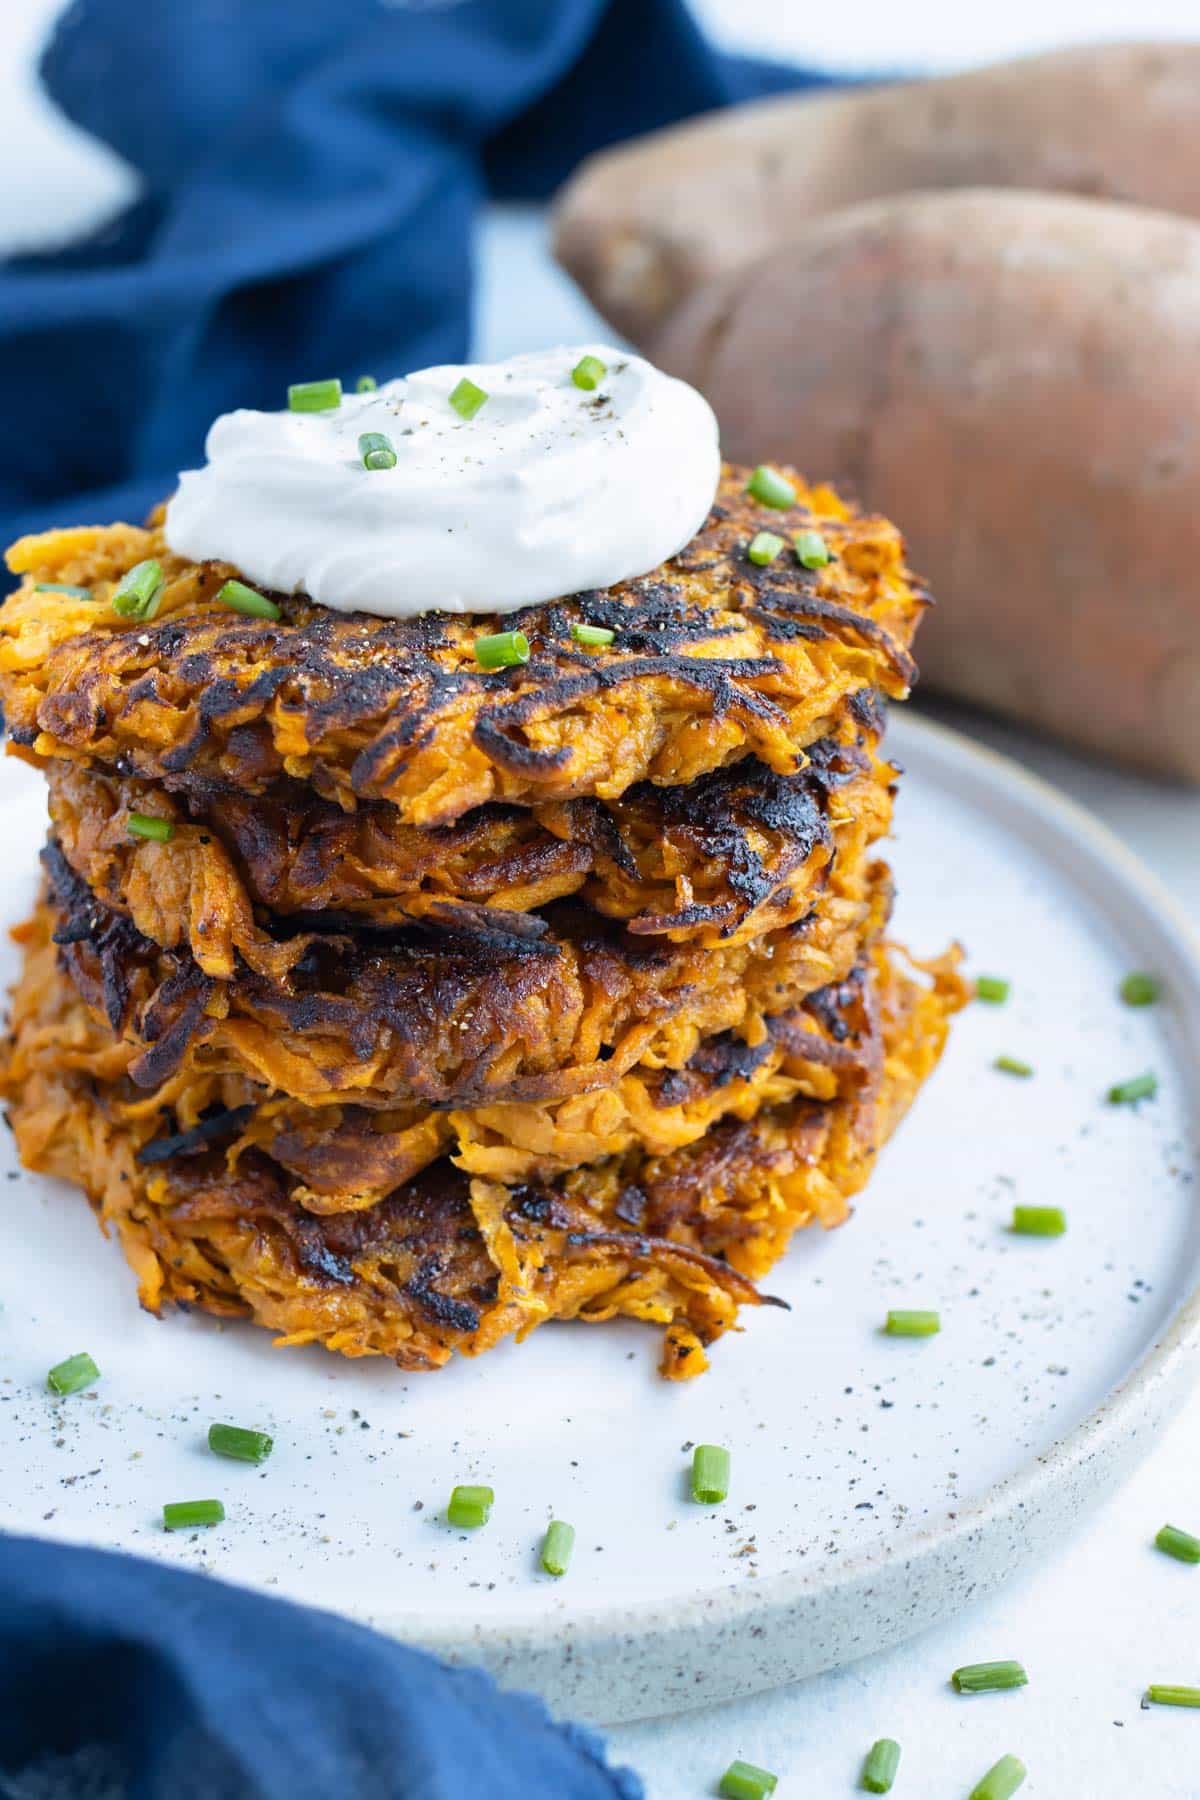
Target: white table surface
(1110,1614)
(1093,1628)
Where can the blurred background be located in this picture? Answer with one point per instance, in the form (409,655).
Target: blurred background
(59,182)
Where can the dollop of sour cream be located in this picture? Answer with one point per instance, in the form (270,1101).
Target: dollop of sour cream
(547,490)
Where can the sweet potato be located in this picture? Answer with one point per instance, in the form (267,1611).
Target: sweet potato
(1016,377)
(640,226)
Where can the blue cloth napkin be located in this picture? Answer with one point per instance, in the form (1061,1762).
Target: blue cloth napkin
(311,174)
(124,1678)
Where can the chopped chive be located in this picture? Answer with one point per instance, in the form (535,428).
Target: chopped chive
(879,1770)
(62,587)
(992,988)
(502,650)
(240,598)
(144,825)
(988,1678)
(1125,1093)
(588,373)
(78,1371)
(466,398)
(314,396)
(764,547)
(1012,1065)
(557,1546)
(366,384)
(242,1445)
(812,552)
(710,1474)
(1139,989)
(139,591)
(746,1781)
(770,488)
(1039,1221)
(1001,1781)
(1179,1544)
(376,450)
(1172,1696)
(596,635)
(470,1507)
(913,1324)
(179,1515)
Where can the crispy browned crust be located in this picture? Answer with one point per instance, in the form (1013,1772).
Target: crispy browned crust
(734,854)
(449,1261)
(713,659)
(342,1156)
(567,1004)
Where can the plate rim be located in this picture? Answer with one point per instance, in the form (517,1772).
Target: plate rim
(665,1654)
(524,1650)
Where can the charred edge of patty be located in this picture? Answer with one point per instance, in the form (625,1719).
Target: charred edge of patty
(717,812)
(353,670)
(291,836)
(340,942)
(809,616)
(715,815)
(344,980)
(377,674)
(219,1126)
(717,679)
(540,1206)
(427,1225)
(343,950)
(717,1062)
(82,919)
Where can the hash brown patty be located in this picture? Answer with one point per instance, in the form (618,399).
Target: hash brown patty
(736,853)
(567,1004)
(342,1156)
(713,659)
(453,1262)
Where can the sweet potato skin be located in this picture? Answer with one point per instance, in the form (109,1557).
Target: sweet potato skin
(640,226)
(1017,377)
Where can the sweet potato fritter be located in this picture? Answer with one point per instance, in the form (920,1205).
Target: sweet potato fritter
(343,1156)
(713,659)
(450,1261)
(734,854)
(567,1004)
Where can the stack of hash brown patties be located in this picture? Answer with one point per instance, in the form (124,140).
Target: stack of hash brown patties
(402,1004)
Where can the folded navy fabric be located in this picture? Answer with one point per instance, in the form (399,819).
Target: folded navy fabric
(311,172)
(119,1677)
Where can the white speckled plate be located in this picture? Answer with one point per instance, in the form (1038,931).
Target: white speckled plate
(877,1484)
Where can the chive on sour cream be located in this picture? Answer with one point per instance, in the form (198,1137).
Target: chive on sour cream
(546,488)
